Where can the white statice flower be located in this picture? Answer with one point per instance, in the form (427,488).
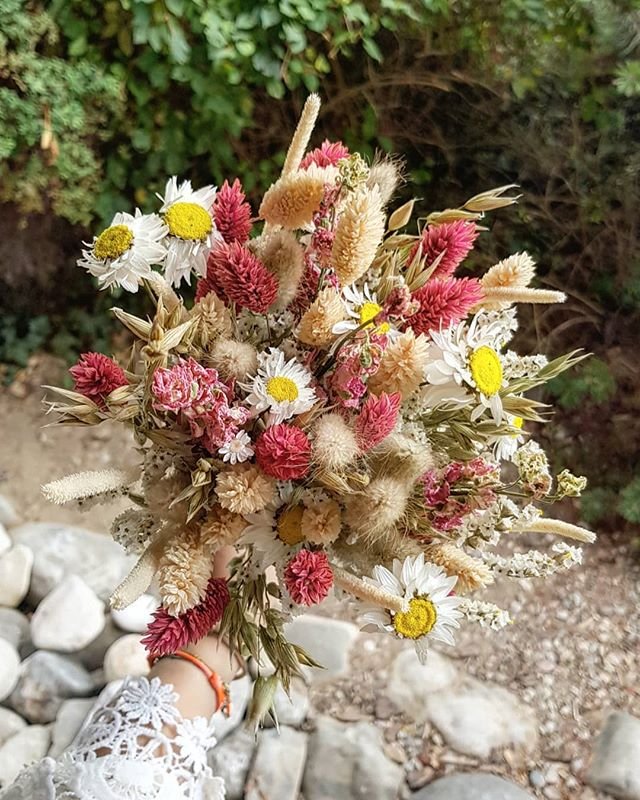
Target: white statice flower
(505,445)
(534,563)
(123,254)
(191,230)
(194,737)
(280,387)
(487,615)
(517,366)
(361,306)
(238,449)
(480,527)
(430,610)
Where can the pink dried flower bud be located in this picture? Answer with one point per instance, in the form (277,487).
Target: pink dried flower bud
(444,303)
(453,239)
(308,577)
(284,451)
(327,155)
(377,419)
(96,376)
(237,275)
(232,213)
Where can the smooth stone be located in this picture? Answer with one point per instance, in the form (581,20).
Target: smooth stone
(472,786)
(276,773)
(411,682)
(231,760)
(328,641)
(15,574)
(475,718)
(92,656)
(70,719)
(136,617)
(10,724)
(25,747)
(240,690)
(347,762)
(615,766)
(62,550)
(290,709)
(5,540)
(69,618)
(126,657)
(8,516)
(14,627)
(9,668)
(46,680)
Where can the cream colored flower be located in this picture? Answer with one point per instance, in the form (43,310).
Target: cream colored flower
(321,521)
(221,528)
(358,234)
(213,320)
(402,366)
(244,489)
(334,444)
(184,572)
(283,256)
(317,323)
(472,573)
(292,200)
(234,359)
(516,271)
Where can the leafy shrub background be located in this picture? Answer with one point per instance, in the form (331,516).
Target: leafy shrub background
(99,102)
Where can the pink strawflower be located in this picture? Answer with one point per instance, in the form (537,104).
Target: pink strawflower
(377,419)
(308,577)
(284,451)
(188,386)
(454,239)
(166,634)
(444,303)
(232,213)
(235,274)
(96,376)
(327,155)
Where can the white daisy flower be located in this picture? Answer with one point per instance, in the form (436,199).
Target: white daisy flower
(123,253)
(362,306)
(430,609)
(191,229)
(237,450)
(274,534)
(506,445)
(281,387)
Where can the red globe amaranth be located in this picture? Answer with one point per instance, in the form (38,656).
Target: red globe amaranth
(166,634)
(377,419)
(232,213)
(308,577)
(452,240)
(236,275)
(444,303)
(284,451)
(96,376)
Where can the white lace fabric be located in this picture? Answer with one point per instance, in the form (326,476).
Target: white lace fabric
(136,747)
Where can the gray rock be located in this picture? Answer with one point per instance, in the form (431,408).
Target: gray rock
(475,718)
(9,668)
(62,550)
(71,716)
(136,616)
(10,723)
(276,773)
(472,786)
(411,682)
(614,768)
(240,695)
(291,709)
(347,762)
(232,759)
(69,618)
(5,540)
(126,657)
(46,680)
(327,640)
(14,627)
(25,747)
(92,656)
(8,516)
(15,573)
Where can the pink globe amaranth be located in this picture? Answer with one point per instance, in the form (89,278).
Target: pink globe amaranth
(96,376)
(284,451)
(238,276)
(453,241)
(232,213)
(308,577)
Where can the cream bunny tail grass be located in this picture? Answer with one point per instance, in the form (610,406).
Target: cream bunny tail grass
(138,580)
(560,528)
(301,137)
(364,591)
(472,573)
(519,294)
(104,483)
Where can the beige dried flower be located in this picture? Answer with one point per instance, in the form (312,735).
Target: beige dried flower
(184,572)
(101,485)
(321,522)
(283,256)
(472,573)
(358,234)
(334,444)
(378,508)
(316,325)
(234,359)
(401,456)
(243,489)
(212,320)
(221,528)
(292,200)
(516,271)
(402,366)
(302,134)
(386,175)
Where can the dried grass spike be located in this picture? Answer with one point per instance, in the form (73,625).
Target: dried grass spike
(358,234)
(472,573)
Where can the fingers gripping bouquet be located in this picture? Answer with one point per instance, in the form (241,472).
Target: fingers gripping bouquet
(336,404)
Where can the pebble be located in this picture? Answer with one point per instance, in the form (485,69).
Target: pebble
(46,680)
(276,773)
(291,709)
(328,641)
(15,573)
(69,618)
(92,656)
(536,779)
(476,718)
(71,716)
(347,762)
(14,627)
(9,668)
(10,723)
(62,550)
(8,516)
(614,768)
(126,656)
(5,540)
(23,748)
(231,760)
(411,683)
(136,617)
(472,786)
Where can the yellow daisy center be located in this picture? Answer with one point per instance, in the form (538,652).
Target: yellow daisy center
(289,525)
(188,221)
(282,389)
(112,242)
(517,422)
(418,621)
(486,370)
(369,311)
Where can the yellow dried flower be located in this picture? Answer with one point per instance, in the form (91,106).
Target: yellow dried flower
(402,366)
(358,234)
(282,255)
(184,572)
(221,528)
(334,444)
(292,200)
(243,489)
(234,359)
(321,522)
(472,573)
(316,325)
(212,320)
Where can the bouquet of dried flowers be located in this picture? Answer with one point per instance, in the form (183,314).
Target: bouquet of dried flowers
(337,404)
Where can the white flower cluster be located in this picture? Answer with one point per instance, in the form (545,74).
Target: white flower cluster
(487,615)
(533,467)
(535,564)
(517,366)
